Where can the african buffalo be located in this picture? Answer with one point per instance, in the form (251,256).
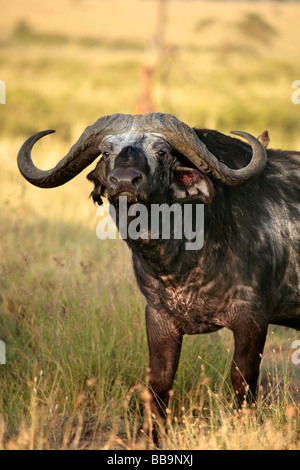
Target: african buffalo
(247,274)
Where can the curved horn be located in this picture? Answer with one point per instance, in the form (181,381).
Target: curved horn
(182,137)
(82,154)
(185,140)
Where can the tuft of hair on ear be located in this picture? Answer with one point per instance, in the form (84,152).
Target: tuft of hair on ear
(96,197)
(98,190)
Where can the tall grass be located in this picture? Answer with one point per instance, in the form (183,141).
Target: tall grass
(72,319)
(71,315)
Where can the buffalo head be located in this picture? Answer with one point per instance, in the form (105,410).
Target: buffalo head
(147,158)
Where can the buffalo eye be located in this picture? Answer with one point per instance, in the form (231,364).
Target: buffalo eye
(105,154)
(161,153)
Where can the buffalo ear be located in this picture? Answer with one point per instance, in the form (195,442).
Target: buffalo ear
(97,176)
(190,184)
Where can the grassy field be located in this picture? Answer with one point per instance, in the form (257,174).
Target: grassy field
(71,315)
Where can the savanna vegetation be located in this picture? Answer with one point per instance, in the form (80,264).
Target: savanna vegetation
(71,315)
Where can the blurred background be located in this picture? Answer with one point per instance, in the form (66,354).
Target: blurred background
(220,65)
(68,301)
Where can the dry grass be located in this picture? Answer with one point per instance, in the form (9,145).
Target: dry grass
(71,314)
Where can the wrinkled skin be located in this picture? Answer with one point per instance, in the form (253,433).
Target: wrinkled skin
(246,276)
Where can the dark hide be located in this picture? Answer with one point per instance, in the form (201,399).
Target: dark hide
(245,277)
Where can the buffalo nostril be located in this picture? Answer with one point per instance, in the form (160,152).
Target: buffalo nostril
(137,180)
(113,179)
(126,175)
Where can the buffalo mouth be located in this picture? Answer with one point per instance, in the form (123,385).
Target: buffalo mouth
(131,198)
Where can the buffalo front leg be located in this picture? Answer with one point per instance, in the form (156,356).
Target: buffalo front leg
(164,342)
(249,343)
